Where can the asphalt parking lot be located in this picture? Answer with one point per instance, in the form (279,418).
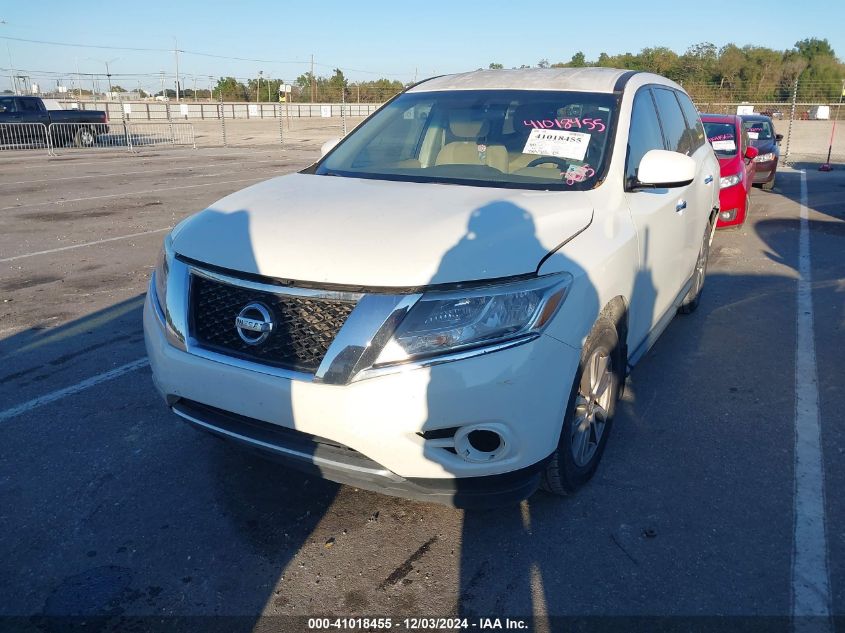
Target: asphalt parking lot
(111,507)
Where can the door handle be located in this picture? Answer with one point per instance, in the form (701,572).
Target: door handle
(682,204)
(708,180)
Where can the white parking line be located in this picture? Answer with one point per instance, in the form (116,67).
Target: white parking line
(84,244)
(40,401)
(130,193)
(810,576)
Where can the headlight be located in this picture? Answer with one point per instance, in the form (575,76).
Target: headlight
(161,270)
(442,322)
(728,181)
(764,158)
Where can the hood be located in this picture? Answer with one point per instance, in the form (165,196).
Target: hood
(361,232)
(764,146)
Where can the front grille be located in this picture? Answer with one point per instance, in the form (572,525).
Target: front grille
(303,327)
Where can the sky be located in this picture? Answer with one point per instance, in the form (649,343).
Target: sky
(398,40)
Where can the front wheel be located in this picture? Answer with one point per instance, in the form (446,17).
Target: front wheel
(589,412)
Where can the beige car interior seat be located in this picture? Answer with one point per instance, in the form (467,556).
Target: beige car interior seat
(470,133)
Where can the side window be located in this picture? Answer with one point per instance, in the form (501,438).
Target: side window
(644,134)
(695,129)
(674,126)
(8,105)
(28,105)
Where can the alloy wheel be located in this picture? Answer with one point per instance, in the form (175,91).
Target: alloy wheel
(592,404)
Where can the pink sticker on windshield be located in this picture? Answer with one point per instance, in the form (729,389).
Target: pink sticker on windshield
(578,173)
(569,123)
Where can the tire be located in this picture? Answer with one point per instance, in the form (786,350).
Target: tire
(84,137)
(579,450)
(768,186)
(699,274)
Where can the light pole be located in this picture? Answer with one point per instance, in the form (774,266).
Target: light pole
(211,88)
(258,88)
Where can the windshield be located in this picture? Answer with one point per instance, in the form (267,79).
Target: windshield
(758,130)
(494,138)
(722,136)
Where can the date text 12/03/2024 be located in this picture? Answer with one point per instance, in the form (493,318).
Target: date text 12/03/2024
(416,624)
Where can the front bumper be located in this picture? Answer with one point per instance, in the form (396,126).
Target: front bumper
(522,391)
(324,458)
(732,202)
(765,172)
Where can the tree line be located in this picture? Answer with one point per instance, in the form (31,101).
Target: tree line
(308,88)
(751,73)
(710,74)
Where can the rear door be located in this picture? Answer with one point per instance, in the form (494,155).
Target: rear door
(660,225)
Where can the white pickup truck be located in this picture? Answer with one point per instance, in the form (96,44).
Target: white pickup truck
(446,304)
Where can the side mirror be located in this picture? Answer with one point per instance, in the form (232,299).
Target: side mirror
(328,146)
(751,152)
(661,169)
(778,137)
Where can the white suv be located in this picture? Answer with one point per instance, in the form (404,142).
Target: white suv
(446,304)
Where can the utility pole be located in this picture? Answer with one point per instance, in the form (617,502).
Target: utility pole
(211,87)
(313,85)
(258,87)
(195,88)
(108,76)
(176,53)
(78,82)
(12,83)
(163,93)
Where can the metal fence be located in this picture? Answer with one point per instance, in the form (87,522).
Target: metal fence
(189,110)
(17,136)
(59,138)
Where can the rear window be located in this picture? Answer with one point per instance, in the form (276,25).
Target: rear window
(758,130)
(722,136)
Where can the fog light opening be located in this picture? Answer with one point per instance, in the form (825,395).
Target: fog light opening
(480,444)
(484,441)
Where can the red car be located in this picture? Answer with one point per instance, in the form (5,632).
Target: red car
(736,160)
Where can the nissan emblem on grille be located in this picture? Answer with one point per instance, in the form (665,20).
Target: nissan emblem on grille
(254,323)
(303,327)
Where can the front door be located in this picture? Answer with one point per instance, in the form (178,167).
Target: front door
(659,218)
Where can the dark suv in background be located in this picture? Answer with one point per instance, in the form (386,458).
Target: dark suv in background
(761,134)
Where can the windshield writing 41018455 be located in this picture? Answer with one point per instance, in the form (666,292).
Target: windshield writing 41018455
(568,123)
